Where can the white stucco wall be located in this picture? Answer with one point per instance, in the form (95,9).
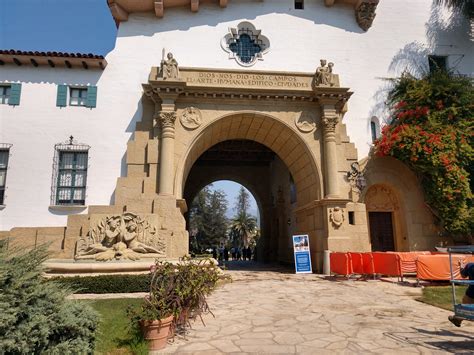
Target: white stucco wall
(403,33)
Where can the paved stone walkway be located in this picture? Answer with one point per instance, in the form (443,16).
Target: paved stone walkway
(270,312)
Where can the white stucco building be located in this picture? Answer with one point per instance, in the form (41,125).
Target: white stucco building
(99,101)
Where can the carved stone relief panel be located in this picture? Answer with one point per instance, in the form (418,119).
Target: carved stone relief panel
(381,198)
(126,236)
(305,122)
(191,118)
(336,216)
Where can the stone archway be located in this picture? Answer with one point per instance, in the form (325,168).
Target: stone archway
(292,162)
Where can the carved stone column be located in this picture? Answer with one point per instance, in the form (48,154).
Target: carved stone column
(166,120)
(330,119)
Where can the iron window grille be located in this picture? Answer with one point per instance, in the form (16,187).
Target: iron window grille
(245,44)
(77,96)
(4,155)
(5,94)
(70,165)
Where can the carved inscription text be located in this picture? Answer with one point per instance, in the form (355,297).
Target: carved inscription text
(263,81)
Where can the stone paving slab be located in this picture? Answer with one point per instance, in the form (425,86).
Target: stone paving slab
(270,312)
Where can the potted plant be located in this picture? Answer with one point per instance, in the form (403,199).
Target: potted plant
(177,293)
(160,307)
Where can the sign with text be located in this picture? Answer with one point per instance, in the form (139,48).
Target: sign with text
(302,255)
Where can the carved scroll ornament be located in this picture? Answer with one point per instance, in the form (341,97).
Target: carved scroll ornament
(126,236)
(330,122)
(167,118)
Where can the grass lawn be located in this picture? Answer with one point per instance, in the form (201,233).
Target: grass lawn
(441,296)
(115,335)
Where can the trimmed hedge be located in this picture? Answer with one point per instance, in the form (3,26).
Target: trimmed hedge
(106,283)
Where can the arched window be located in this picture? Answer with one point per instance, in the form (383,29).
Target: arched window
(374,128)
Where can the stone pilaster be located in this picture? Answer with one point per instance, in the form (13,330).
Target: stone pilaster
(166,120)
(330,119)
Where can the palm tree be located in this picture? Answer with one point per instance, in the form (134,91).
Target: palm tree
(464,6)
(242,228)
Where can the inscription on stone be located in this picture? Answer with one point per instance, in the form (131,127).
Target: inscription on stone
(264,81)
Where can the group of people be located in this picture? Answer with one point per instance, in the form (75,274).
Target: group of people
(235,253)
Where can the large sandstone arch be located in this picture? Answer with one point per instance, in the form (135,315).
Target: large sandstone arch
(264,129)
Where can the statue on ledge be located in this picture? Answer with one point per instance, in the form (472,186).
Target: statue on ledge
(169,67)
(120,237)
(324,75)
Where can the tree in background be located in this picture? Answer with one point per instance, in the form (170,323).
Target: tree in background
(243,225)
(464,6)
(207,220)
(431,131)
(35,316)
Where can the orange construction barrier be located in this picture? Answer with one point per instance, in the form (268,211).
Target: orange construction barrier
(340,263)
(357,263)
(387,264)
(408,260)
(368,263)
(436,267)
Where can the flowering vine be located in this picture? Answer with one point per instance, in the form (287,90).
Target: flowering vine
(431,131)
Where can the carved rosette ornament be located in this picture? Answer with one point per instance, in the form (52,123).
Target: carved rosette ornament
(305,122)
(336,216)
(126,236)
(167,119)
(191,118)
(330,122)
(365,13)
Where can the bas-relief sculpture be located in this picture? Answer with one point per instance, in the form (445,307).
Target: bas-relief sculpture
(169,68)
(324,75)
(126,236)
(305,122)
(365,13)
(336,216)
(191,118)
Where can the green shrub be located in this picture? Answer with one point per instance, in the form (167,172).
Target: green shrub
(35,316)
(106,283)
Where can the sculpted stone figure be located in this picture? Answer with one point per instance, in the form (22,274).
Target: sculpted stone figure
(169,68)
(120,237)
(324,75)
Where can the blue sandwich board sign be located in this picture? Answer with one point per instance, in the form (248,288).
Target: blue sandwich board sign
(302,255)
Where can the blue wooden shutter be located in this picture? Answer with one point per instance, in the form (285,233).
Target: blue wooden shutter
(91,96)
(61,98)
(15,92)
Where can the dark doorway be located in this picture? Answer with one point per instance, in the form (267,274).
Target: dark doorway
(381,231)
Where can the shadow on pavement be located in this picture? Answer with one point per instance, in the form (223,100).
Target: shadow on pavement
(240,265)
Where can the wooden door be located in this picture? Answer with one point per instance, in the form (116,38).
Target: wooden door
(381,231)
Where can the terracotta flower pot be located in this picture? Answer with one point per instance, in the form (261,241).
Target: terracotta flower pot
(157,332)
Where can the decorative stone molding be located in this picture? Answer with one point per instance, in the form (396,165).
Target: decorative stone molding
(167,119)
(126,236)
(245,32)
(330,122)
(191,118)
(381,198)
(336,216)
(365,13)
(305,122)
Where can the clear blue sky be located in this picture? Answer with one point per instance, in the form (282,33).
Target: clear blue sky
(84,26)
(78,26)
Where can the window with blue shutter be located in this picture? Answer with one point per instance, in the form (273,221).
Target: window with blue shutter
(91,96)
(61,98)
(15,92)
